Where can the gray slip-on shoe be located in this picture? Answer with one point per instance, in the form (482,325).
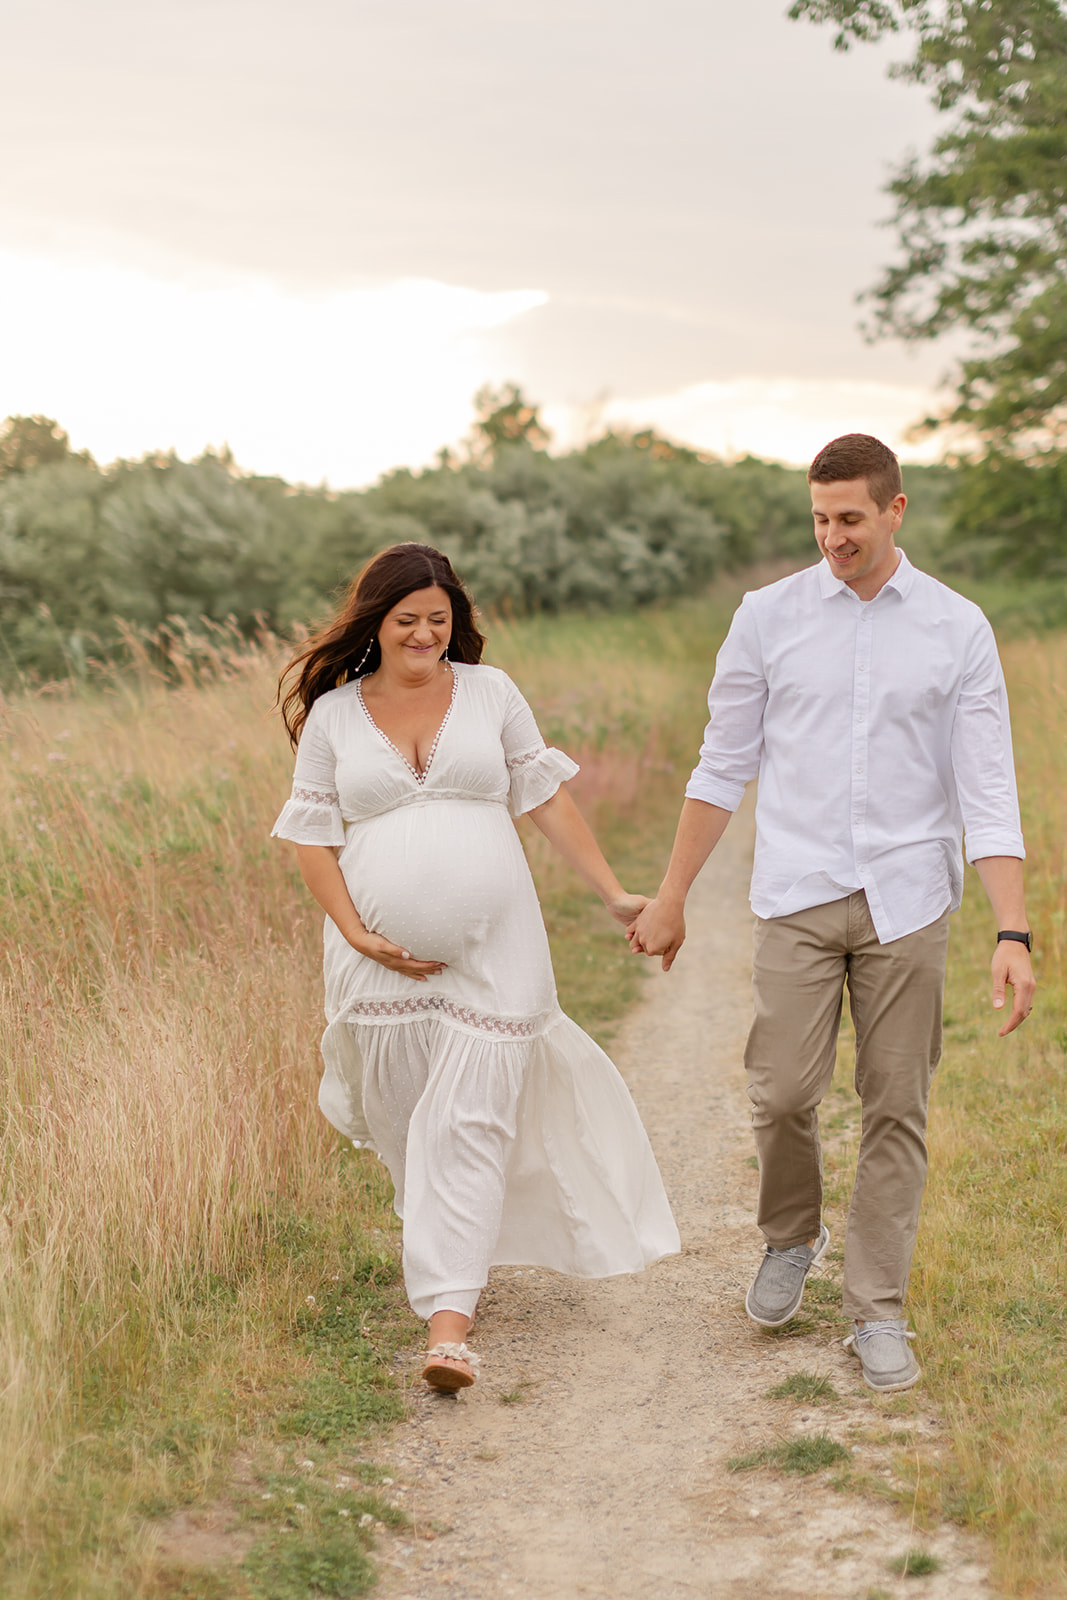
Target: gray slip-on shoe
(778,1287)
(885,1357)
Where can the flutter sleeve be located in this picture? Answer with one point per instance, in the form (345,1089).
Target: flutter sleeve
(535,769)
(312,814)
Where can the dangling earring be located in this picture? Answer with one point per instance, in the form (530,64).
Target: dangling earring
(445,656)
(366,653)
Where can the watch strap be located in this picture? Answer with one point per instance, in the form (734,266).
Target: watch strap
(1021,938)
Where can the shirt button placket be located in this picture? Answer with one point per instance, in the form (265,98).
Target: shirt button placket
(861,705)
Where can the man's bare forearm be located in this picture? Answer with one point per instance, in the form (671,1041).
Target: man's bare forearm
(700,827)
(660,929)
(1002,880)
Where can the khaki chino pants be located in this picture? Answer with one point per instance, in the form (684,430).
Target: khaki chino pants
(801,964)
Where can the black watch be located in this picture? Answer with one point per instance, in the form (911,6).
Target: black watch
(1022,938)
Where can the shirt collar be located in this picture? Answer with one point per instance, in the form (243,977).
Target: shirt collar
(903,578)
(901,581)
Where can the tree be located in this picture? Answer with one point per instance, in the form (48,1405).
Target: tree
(503,417)
(983,230)
(28,442)
(983,223)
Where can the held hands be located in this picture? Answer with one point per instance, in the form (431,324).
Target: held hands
(658,931)
(625,908)
(1011,968)
(395,958)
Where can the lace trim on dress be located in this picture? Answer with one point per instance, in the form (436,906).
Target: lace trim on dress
(420,777)
(429,797)
(526,757)
(315,797)
(419,1005)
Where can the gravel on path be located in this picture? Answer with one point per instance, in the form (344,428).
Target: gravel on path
(591,1457)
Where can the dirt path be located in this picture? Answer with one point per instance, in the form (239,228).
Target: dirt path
(590,1460)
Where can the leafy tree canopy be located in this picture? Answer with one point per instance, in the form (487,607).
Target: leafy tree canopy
(504,416)
(983,220)
(87,553)
(27,442)
(160,542)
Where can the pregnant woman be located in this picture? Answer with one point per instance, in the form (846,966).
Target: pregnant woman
(509,1134)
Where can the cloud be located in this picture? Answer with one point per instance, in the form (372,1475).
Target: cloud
(785,419)
(336,386)
(341,386)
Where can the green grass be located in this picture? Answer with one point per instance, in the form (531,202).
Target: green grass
(915,1564)
(809,1388)
(802,1455)
(307,1566)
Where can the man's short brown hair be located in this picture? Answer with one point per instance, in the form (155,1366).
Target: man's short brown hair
(859,455)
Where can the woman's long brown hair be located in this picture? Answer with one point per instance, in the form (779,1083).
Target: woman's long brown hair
(335,654)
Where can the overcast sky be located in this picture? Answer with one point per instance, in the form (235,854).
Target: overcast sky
(312,231)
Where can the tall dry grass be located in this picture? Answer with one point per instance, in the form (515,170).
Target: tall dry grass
(170,1194)
(162,1160)
(989,1286)
(626,696)
(158,1011)
(992,1286)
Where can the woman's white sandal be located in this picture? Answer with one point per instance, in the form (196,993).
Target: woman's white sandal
(450,1367)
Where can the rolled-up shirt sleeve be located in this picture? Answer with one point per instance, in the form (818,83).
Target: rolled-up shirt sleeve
(312,814)
(982,755)
(733,738)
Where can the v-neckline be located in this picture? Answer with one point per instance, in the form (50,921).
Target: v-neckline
(420,777)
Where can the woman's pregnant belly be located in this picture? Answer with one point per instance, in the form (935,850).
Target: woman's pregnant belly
(446,879)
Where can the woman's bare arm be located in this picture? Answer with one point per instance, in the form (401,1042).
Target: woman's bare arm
(568,832)
(320,871)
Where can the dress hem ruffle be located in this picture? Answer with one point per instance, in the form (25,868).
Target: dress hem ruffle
(583,1195)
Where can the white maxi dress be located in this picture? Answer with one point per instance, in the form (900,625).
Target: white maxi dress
(509,1135)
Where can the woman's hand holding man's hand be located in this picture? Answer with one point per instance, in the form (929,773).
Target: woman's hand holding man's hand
(659,930)
(625,908)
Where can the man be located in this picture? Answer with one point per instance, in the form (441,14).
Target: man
(869,699)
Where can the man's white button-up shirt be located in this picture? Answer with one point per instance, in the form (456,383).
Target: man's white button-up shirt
(879,730)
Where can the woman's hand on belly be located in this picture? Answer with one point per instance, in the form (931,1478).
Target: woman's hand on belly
(323,875)
(394,957)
